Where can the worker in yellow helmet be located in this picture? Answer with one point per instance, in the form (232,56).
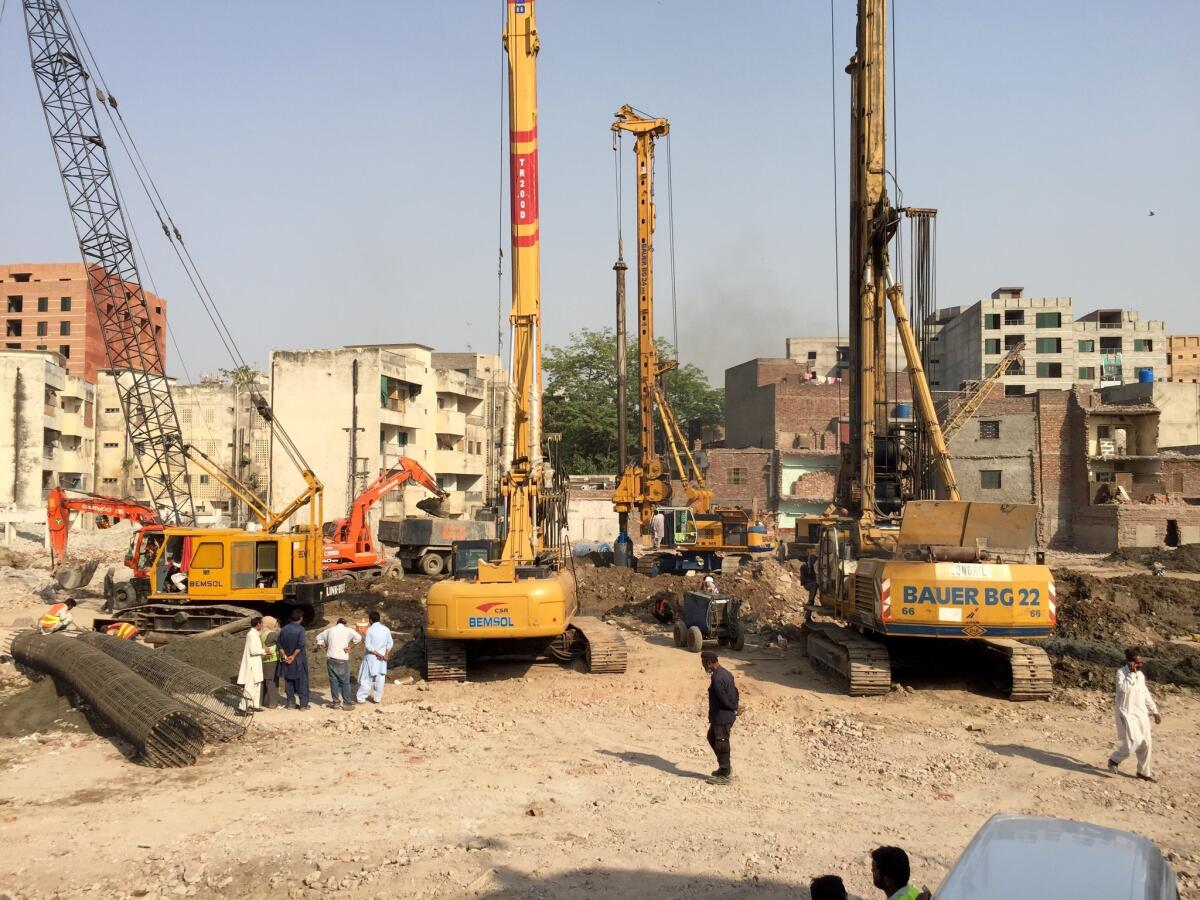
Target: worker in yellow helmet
(57,617)
(123,630)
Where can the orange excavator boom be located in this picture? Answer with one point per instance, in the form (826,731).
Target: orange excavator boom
(107,510)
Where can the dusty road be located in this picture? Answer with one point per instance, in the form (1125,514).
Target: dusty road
(550,783)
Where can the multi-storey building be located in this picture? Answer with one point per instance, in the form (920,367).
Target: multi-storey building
(47,438)
(216,417)
(824,358)
(1183,358)
(49,306)
(354,411)
(1102,348)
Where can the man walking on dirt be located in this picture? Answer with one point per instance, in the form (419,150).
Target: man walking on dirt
(724,706)
(658,527)
(1134,708)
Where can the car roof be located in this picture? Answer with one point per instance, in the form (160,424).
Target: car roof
(1032,857)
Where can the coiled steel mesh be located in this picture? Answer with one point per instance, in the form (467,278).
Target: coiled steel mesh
(161,730)
(212,702)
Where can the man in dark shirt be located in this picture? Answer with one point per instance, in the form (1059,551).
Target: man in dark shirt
(723,709)
(293,661)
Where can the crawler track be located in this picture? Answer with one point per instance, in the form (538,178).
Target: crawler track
(1025,671)
(863,663)
(604,650)
(445,660)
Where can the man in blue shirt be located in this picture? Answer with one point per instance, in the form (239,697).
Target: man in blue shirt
(293,661)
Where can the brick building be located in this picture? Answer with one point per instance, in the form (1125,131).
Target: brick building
(49,306)
(1183,358)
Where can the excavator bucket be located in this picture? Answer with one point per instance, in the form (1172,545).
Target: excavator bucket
(434,506)
(71,578)
(964,523)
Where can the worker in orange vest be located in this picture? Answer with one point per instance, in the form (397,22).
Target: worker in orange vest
(123,630)
(57,617)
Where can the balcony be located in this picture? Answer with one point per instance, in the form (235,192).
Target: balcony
(475,421)
(455,462)
(451,421)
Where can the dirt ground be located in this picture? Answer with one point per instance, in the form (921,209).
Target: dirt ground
(542,781)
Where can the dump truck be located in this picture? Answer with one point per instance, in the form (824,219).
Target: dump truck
(425,544)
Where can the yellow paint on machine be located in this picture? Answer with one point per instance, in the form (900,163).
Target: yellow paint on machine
(525,608)
(963,597)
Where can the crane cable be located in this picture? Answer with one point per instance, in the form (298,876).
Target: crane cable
(837,258)
(175,237)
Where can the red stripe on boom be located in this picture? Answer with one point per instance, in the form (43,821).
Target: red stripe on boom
(523,137)
(523,186)
(526,240)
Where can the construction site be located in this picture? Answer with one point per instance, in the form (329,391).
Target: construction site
(378,618)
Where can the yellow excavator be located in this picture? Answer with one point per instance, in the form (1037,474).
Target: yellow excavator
(696,536)
(915,577)
(519,594)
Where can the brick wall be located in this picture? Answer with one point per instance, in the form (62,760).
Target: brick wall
(1185,469)
(1102,529)
(740,477)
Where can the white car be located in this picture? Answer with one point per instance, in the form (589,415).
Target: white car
(1035,858)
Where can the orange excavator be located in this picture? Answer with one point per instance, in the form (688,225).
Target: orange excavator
(107,510)
(350,546)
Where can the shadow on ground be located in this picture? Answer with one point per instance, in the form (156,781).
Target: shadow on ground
(633,885)
(652,761)
(1047,758)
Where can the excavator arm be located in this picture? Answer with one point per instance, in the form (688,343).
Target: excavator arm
(59,508)
(406,470)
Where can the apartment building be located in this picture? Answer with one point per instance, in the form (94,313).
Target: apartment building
(355,411)
(1183,358)
(49,306)
(216,418)
(48,437)
(1101,348)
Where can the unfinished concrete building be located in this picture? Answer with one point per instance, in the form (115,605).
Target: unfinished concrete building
(1183,358)
(49,434)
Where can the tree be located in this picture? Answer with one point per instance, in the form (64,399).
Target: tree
(581,393)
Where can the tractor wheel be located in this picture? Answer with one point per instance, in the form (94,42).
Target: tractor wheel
(737,636)
(679,634)
(350,575)
(432,564)
(393,571)
(695,639)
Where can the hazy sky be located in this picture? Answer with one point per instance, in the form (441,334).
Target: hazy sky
(335,166)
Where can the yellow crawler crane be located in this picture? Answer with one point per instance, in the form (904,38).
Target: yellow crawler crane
(522,598)
(915,576)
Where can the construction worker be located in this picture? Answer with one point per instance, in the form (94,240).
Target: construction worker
(57,617)
(724,706)
(710,585)
(123,630)
(890,873)
(808,578)
(658,527)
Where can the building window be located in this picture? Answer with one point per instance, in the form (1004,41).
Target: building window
(139,484)
(111,409)
(1087,373)
(64,350)
(1146,346)
(991,345)
(990,479)
(1049,320)
(1014,390)
(110,445)
(43,304)
(991,321)
(1110,345)
(1013,341)
(204,479)
(64,329)
(185,416)
(989,429)
(1145,372)
(64,304)
(989,369)
(12,328)
(1049,370)
(16,346)
(16,304)
(1014,317)
(737,476)
(1049,345)
(1104,432)
(43,329)
(41,346)
(812,355)
(1087,346)
(109,480)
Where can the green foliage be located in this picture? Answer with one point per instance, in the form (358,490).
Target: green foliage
(581,394)
(241,376)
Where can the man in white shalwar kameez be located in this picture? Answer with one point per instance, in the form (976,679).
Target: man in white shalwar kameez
(250,675)
(1134,708)
(372,674)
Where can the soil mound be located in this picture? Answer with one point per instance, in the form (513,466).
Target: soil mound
(1177,559)
(41,707)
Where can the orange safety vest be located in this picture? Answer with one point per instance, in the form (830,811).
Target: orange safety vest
(122,630)
(52,617)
